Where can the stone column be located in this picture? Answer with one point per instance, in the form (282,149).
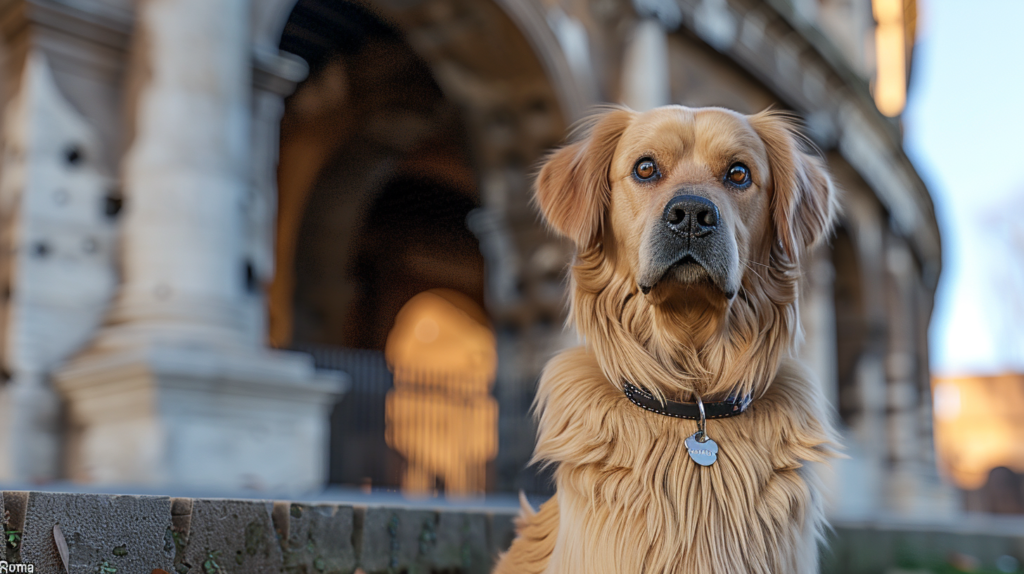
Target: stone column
(276,75)
(914,487)
(646,77)
(173,390)
(645,72)
(185,175)
(902,394)
(818,318)
(860,481)
(61,74)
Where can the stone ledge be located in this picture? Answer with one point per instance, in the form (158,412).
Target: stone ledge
(129,533)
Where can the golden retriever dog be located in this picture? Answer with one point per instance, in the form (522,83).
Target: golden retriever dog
(689,227)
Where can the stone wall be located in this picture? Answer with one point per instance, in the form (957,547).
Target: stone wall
(974,543)
(128,534)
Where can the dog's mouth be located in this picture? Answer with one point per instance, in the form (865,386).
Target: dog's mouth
(684,261)
(687,270)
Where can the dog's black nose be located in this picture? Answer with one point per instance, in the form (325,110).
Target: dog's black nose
(691,215)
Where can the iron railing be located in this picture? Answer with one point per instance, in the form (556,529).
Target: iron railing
(359,452)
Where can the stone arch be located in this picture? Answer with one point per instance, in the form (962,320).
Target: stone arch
(269,18)
(849,305)
(501,67)
(501,102)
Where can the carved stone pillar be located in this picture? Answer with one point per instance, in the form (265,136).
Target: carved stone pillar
(174,390)
(275,75)
(59,218)
(861,479)
(645,74)
(818,318)
(645,66)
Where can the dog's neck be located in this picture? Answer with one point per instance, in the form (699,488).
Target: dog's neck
(677,345)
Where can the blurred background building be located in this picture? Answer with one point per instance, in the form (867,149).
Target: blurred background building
(274,244)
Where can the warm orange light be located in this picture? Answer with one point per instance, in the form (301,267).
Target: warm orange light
(442,330)
(440,415)
(979,425)
(891,57)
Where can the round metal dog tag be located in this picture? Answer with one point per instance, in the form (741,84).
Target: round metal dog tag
(703,453)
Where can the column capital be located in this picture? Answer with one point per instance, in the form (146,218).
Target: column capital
(90,21)
(276,71)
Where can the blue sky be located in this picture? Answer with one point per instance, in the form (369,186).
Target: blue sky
(964,130)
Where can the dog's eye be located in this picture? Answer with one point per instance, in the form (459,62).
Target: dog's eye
(645,169)
(738,175)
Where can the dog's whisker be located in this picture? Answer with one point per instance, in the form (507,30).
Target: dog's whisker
(752,270)
(756,263)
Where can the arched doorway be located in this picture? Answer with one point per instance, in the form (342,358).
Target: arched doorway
(850,324)
(405,129)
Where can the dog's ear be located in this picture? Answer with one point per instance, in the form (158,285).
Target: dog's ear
(573,188)
(804,201)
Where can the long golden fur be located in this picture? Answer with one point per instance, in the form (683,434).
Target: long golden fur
(628,498)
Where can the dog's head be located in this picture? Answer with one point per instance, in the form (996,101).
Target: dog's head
(690,207)
(692,196)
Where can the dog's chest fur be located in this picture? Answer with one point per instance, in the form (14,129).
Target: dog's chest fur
(629,498)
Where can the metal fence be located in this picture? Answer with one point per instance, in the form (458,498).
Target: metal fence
(517,435)
(359,452)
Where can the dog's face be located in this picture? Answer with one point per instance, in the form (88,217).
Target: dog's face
(687,198)
(687,201)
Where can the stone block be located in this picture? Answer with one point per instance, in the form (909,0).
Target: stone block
(395,539)
(422,541)
(12,509)
(228,536)
(104,533)
(442,542)
(316,538)
(477,557)
(831,554)
(501,532)
(200,417)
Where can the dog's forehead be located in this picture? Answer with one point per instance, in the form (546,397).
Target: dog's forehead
(675,131)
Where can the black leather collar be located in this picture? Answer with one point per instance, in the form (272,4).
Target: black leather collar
(728,408)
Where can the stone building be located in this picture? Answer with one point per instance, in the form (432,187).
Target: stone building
(191,188)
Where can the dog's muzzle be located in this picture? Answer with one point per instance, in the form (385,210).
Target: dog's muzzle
(691,244)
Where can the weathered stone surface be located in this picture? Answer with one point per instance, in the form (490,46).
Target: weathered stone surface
(126,534)
(476,555)
(316,539)
(870,548)
(12,501)
(502,531)
(104,533)
(443,543)
(395,539)
(461,543)
(110,534)
(230,536)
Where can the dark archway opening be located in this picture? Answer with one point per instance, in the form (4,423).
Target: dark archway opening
(850,322)
(375,186)
(414,239)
